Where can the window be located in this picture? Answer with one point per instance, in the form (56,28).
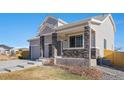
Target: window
(93,39)
(76,41)
(79,41)
(72,41)
(105,44)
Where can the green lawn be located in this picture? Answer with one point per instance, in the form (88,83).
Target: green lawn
(41,73)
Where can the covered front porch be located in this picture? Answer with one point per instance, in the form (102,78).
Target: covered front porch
(77,42)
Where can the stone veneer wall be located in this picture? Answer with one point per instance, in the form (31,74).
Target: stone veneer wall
(80,53)
(72,61)
(42,45)
(54,39)
(54,43)
(74,53)
(87,41)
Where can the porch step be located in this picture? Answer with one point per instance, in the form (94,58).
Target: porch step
(43,59)
(35,63)
(12,69)
(25,66)
(40,60)
(31,63)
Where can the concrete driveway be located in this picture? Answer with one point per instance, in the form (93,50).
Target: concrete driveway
(16,65)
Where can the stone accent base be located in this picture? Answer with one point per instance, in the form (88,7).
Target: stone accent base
(72,61)
(93,62)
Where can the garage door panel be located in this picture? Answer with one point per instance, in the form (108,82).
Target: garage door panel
(35,52)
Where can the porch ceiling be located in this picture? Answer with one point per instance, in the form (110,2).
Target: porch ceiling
(71,30)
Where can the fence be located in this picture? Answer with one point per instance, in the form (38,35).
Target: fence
(116,58)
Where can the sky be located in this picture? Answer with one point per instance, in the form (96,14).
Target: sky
(17,28)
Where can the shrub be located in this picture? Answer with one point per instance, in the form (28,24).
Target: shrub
(99,60)
(48,62)
(20,57)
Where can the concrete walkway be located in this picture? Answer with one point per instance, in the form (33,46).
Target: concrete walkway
(14,65)
(111,73)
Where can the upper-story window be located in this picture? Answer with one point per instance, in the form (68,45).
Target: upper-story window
(76,41)
(105,44)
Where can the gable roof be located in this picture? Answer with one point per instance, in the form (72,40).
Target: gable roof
(95,20)
(5,46)
(100,17)
(47,24)
(34,38)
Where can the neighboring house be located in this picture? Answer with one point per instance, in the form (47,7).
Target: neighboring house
(16,50)
(5,50)
(82,41)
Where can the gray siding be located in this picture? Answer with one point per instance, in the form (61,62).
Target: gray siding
(104,31)
(35,42)
(47,30)
(52,21)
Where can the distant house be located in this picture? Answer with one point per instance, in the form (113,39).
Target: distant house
(17,50)
(5,50)
(82,41)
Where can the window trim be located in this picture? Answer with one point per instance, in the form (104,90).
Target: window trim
(75,41)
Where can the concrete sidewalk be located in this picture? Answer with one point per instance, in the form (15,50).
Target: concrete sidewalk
(111,73)
(14,65)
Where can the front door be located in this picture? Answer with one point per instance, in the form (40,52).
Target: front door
(59,48)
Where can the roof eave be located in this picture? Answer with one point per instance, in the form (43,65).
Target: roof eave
(112,20)
(71,25)
(33,39)
(94,21)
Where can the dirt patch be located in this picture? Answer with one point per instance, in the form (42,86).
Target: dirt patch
(5,57)
(90,72)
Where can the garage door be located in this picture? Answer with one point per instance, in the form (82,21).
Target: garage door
(35,52)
